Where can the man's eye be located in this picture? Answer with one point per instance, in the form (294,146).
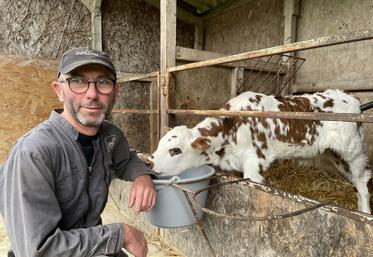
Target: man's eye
(77,80)
(175,151)
(104,81)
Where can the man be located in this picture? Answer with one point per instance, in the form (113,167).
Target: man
(54,184)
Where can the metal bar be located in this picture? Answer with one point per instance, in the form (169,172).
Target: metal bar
(348,117)
(138,77)
(260,72)
(291,74)
(277,75)
(279,62)
(287,48)
(135,111)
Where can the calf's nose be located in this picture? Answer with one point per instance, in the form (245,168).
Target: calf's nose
(149,163)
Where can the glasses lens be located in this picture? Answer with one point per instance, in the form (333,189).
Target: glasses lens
(105,86)
(78,85)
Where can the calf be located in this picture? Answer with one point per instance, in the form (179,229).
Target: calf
(250,144)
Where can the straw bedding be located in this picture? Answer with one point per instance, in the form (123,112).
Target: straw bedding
(322,185)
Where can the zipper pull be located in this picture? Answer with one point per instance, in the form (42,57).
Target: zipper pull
(89,169)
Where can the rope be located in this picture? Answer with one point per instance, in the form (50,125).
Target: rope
(269,217)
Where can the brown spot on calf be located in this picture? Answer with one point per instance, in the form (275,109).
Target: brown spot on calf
(296,130)
(201,143)
(328,103)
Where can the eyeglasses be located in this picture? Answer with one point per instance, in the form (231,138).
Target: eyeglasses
(80,85)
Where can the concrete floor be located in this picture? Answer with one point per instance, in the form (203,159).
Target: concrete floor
(110,215)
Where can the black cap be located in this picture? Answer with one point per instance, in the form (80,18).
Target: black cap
(77,57)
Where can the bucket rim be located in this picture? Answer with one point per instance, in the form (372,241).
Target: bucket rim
(177,180)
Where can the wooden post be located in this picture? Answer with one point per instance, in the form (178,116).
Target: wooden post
(94,6)
(237,78)
(291,12)
(198,37)
(168,56)
(96,25)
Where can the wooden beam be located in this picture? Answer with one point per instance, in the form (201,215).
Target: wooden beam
(183,15)
(291,12)
(199,37)
(144,77)
(194,55)
(153,117)
(354,85)
(349,117)
(288,48)
(237,79)
(168,57)
(96,25)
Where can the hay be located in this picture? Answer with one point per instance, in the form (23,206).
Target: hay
(311,183)
(161,249)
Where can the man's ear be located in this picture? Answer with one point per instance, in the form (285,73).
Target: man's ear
(57,88)
(201,143)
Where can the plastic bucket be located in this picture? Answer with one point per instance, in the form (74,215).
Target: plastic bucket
(172,209)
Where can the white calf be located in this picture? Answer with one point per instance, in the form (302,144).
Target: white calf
(250,145)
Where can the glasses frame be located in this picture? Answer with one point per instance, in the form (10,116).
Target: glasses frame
(89,83)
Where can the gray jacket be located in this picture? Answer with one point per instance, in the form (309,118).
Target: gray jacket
(51,199)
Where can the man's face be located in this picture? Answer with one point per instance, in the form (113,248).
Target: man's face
(91,107)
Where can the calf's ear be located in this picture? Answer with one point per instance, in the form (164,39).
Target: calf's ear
(201,143)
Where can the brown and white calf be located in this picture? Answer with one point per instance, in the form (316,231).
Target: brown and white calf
(250,145)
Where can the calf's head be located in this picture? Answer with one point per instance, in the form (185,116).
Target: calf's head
(178,150)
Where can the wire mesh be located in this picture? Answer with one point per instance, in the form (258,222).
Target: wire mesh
(270,75)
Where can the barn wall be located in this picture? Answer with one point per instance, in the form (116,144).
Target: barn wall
(42,28)
(336,66)
(131,36)
(348,65)
(253,26)
(256,25)
(26,97)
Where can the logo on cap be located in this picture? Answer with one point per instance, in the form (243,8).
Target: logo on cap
(87,53)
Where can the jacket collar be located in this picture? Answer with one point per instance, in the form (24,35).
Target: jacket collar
(59,121)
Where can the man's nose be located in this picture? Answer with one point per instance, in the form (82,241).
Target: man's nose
(92,91)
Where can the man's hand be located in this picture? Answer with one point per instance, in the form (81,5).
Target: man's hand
(142,194)
(134,241)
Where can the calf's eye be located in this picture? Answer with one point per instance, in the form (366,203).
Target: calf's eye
(175,151)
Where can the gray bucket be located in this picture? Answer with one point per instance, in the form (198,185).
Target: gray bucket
(172,209)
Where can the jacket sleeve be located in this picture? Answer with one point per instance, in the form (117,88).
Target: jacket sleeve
(127,165)
(32,214)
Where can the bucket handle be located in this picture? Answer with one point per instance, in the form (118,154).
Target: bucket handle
(172,180)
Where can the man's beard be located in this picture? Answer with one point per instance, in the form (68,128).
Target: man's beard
(91,123)
(88,121)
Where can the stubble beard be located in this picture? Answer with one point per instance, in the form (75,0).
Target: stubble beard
(90,121)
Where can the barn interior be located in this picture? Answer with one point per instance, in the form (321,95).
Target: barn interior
(196,55)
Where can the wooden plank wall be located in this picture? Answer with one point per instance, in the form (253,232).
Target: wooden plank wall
(26,97)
